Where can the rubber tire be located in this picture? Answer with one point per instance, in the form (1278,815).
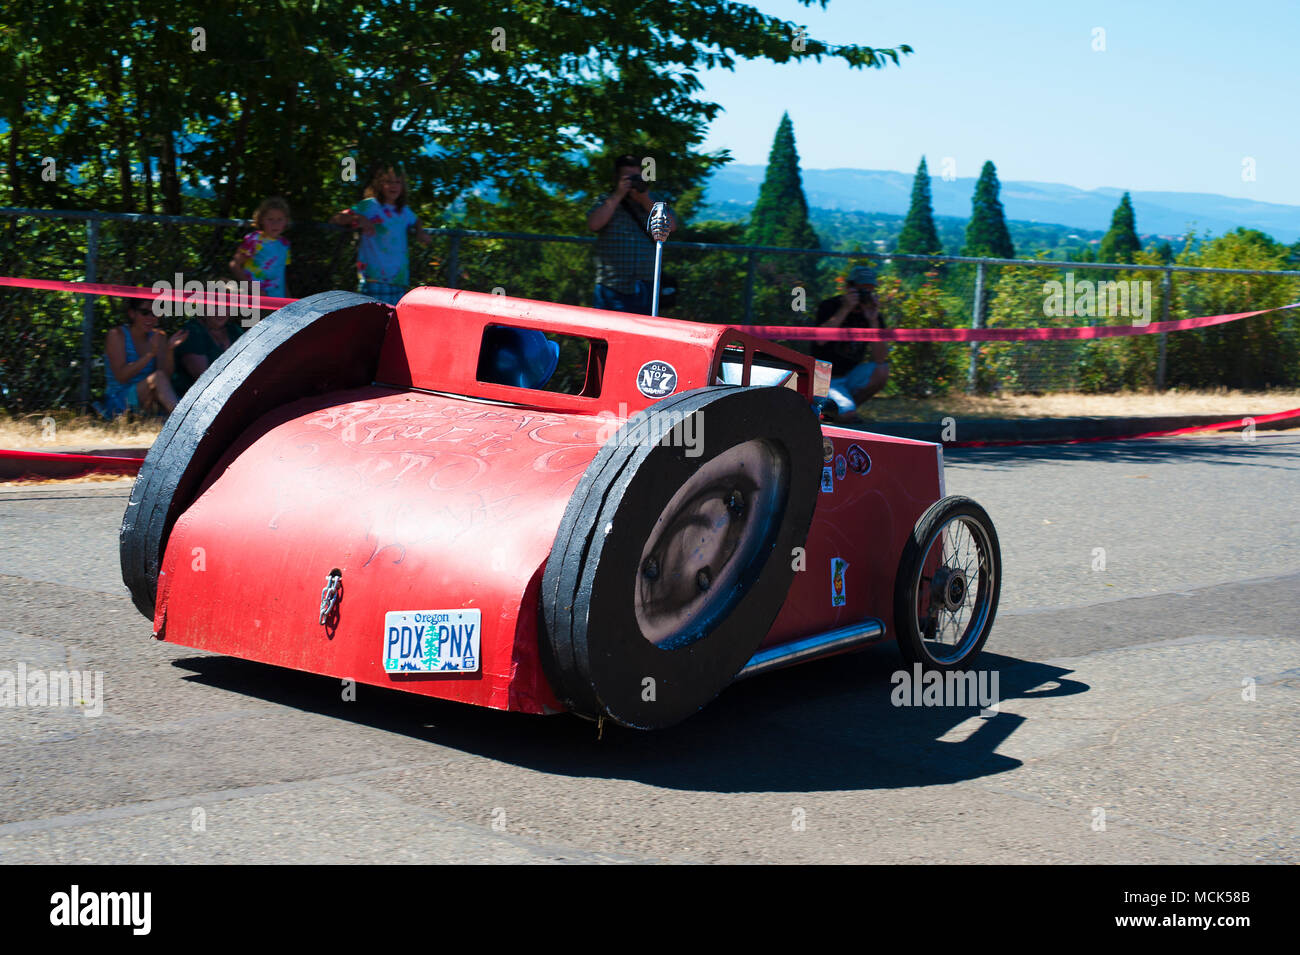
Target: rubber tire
(910,643)
(322,343)
(592,649)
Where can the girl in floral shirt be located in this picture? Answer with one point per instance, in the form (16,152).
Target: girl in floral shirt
(264,253)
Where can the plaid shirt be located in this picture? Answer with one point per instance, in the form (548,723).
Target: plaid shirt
(625,254)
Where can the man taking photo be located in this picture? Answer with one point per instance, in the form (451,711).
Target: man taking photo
(625,252)
(853,380)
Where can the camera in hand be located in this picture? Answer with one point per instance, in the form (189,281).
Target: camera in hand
(637,183)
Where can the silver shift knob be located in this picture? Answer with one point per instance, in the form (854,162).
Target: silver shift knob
(659,222)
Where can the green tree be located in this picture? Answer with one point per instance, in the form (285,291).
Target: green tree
(1120,243)
(919,235)
(922,369)
(1259,352)
(780,216)
(205,109)
(986,233)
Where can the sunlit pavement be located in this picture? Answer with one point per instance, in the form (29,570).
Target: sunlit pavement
(1146,653)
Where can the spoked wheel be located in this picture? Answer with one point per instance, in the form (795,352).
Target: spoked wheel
(671,562)
(949,580)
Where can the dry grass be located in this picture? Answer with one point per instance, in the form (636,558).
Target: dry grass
(1062,405)
(63,429)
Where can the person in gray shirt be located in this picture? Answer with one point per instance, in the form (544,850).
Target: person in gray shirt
(625,253)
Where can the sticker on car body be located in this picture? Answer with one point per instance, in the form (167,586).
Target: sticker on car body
(432,641)
(656,379)
(828,481)
(859,460)
(839,593)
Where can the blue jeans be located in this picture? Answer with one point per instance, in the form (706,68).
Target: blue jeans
(637,302)
(842,388)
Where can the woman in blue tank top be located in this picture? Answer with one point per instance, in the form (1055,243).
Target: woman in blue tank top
(138,363)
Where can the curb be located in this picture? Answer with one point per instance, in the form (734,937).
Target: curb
(69,463)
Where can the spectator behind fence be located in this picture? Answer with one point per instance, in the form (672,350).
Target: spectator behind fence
(852,379)
(383,216)
(625,253)
(264,253)
(139,363)
(207,338)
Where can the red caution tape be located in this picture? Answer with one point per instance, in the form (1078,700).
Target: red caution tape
(785,332)
(238,300)
(805,333)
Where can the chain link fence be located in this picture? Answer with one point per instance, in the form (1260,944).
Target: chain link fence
(52,343)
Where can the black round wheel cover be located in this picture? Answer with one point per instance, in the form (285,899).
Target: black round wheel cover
(570,549)
(592,646)
(322,343)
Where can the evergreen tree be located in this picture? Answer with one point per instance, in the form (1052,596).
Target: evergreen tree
(986,233)
(919,236)
(780,217)
(1120,242)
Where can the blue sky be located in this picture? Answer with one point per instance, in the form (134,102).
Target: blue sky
(1182,94)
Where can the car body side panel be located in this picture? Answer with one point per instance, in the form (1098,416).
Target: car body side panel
(431,503)
(864,521)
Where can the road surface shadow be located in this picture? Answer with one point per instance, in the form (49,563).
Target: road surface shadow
(1281,451)
(828,725)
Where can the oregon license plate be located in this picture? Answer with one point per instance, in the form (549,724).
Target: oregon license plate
(432,641)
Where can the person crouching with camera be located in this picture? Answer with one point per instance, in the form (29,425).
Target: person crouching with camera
(854,380)
(625,252)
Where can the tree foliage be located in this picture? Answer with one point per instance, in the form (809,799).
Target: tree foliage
(1120,243)
(505,109)
(919,235)
(1260,352)
(780,217)
(986,233)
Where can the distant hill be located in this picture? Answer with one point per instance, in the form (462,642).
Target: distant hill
(1167,214)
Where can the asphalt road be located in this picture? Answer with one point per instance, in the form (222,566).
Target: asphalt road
(1156,695)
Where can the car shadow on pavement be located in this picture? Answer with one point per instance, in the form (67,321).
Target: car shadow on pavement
(827,725)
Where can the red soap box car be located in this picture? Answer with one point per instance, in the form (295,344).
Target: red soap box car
(541,508)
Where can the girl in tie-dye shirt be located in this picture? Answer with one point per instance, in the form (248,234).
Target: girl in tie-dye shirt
(264,253)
